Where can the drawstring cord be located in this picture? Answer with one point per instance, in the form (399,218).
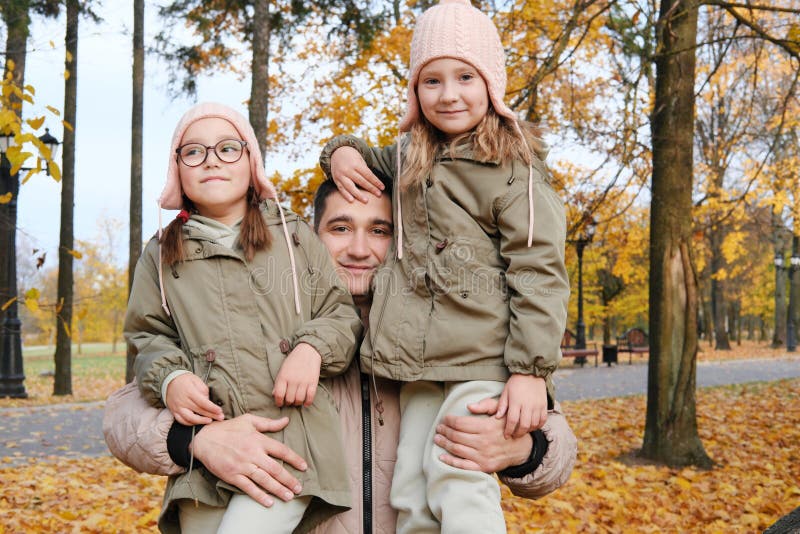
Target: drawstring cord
(160,269)
(530,182)
(295,283)
(399,221)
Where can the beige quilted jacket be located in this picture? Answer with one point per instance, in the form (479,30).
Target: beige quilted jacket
(137,435)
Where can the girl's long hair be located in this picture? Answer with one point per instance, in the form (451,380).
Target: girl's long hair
(495,138)
(254,235)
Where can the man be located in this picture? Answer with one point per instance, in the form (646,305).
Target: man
(358,236)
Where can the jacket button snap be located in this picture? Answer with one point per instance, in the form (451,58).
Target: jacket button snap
(284,346)
(464,294)
(429,182)
(211,355)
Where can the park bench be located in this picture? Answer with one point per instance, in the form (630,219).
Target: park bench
(568,349)
(633,341)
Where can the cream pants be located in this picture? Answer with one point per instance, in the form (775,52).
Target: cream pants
(429,495)
(242,516)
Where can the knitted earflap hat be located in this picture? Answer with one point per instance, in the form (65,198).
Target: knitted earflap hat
(171,197)
(454,29)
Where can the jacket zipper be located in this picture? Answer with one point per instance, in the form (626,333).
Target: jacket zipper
(366,468)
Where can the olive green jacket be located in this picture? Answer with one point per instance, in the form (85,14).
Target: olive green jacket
(239,313)
(469,300)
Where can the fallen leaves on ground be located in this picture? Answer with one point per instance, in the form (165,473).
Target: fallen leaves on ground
(78,495)
(751,431)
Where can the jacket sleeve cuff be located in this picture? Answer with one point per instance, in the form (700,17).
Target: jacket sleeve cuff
(538,450)
(333,145)
(178,440)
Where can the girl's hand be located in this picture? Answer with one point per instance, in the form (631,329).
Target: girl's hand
(296,383)
(352,176)
(187,399)
(524,405)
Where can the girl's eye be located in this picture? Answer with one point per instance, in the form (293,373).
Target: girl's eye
(467,77)
(193,150)
(340,229)
(430,81)
(229,146)
(381,231)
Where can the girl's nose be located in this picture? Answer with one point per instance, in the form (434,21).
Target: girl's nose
(212,154)
(449,93)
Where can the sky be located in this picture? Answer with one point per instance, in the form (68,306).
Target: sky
(103,124)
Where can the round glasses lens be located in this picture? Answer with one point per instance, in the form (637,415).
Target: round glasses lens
(229,150)
(193,154)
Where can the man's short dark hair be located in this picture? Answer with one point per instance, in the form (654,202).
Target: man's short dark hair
(328,187)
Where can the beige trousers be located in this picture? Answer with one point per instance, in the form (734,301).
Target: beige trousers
(243,515)
(429,495)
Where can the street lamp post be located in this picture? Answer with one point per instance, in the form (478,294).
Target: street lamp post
(586,236)
(794,289)
(12,376)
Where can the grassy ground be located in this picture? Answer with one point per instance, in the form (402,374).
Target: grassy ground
(95,374)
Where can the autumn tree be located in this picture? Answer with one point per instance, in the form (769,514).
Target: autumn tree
(137,123)
(222,31)
(62,384)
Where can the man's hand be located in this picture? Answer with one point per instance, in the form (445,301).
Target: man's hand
(187,399)
(477,443)
(237,452)
(350,172)
(296,383)
(524,404)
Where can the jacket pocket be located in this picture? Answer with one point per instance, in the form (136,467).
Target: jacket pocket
(472,267)
(215,368)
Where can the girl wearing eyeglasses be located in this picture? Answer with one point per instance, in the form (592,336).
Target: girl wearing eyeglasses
(236,308)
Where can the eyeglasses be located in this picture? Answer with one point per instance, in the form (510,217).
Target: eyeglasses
(195,154)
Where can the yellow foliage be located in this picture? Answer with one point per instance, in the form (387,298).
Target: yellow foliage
(8,303)
(6,198)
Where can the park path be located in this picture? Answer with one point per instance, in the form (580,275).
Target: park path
(75,430)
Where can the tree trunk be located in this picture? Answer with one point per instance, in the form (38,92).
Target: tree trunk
(735,321)
(62,384)
(671,423)
(16,18)
(719,305)
(137,120)
(259,85)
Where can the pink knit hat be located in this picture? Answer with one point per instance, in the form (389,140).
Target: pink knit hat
(171,197)
(455,29)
